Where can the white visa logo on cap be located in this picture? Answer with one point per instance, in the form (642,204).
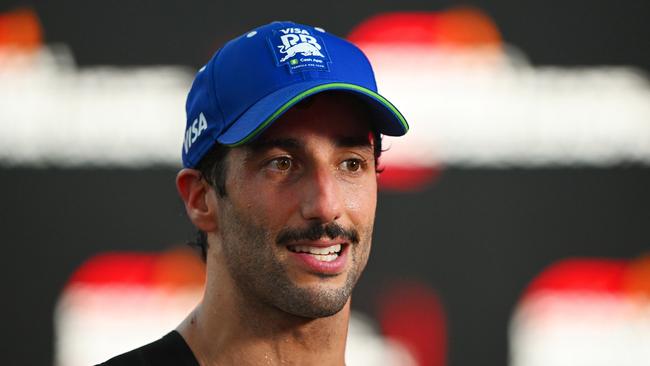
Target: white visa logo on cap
(194,131)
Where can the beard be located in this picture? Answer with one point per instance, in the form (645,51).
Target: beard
(253,259)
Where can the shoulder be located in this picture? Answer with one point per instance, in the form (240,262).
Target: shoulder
(169,350)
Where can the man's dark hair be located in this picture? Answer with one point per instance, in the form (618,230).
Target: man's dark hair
(213,169)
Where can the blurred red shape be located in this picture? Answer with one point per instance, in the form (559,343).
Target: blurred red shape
(579,274)
(20,29)
(412,314)
(172,268)
(402,178)
(462,26)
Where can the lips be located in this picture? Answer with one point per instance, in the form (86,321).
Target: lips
(321,258)
(324,254)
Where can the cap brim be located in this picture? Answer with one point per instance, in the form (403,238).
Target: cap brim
(388,121)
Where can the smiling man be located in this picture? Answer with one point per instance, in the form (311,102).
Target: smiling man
(280,160)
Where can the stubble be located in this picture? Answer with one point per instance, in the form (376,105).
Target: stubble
(251,255)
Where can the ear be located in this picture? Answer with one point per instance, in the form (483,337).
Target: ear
(199,198)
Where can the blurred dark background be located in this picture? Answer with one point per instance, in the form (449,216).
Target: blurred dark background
(145,32)
(476,235)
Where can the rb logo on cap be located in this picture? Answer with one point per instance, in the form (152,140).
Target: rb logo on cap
(298,48)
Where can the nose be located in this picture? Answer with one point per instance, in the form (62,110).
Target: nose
(321,200)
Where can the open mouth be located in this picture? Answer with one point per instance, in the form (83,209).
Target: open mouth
(323,254)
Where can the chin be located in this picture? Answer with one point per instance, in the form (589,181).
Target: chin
(318,312)
(313,302)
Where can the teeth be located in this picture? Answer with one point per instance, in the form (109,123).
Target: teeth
(326,258)
(319,251)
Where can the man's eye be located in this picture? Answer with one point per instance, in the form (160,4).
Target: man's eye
(352,165)
(282,164)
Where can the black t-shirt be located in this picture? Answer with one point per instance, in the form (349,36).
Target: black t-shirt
(168,350)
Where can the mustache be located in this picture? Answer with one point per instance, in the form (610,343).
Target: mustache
(316,231)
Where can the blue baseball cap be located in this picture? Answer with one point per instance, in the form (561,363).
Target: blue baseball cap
(253,79)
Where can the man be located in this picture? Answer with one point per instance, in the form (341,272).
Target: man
(280,177)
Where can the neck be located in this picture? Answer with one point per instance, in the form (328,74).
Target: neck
(226,330)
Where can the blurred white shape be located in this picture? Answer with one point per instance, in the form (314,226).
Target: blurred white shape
(476,108)
(95,323)
(465,107)
(580,329)
(52,112)
(584,312)
(118,302)
(365,346)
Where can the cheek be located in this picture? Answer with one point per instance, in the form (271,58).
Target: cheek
(361,200)
(361,205)
(266,204)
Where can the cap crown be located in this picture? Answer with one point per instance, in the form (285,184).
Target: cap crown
(252,77)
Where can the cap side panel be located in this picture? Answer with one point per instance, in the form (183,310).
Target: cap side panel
(212,89)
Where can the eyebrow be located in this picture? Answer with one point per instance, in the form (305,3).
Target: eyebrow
(286,143)
(354,141)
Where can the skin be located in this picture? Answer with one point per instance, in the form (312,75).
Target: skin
(313,167)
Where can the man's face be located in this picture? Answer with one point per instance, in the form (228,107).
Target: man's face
(296,223)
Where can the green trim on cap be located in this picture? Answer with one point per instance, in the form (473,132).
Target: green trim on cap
(314,90)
